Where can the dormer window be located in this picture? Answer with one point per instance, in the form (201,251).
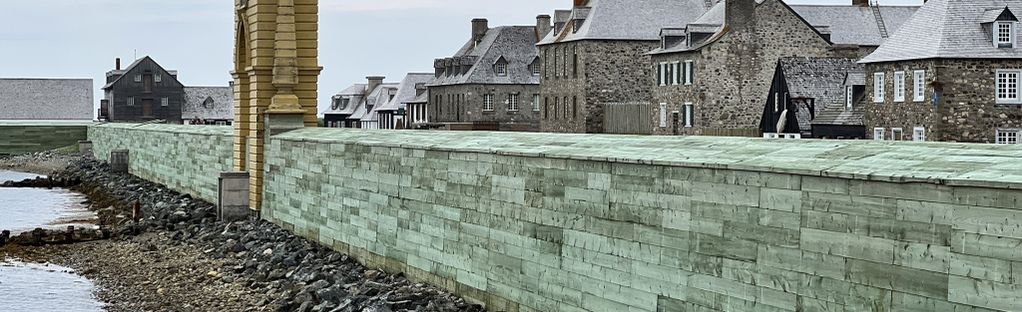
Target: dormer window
(535,67)
(1005,34)
(500,67)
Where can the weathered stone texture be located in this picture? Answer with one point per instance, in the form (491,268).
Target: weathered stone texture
(464,103)
(966,110)
(732,75)
(541,222)
(188,159)
(607,71)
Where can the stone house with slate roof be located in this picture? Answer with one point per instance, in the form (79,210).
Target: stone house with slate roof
(342,105)
(364,116)
(418,108)
(208,106)
(713,76)
(491,83)
(952,73)
(143,91)
(353,106)
(392,115)
(803,89)
(39,99)
(595,56)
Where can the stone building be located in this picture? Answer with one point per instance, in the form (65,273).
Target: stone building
(811,94)
(208,106)
(712,76)
(342,105)
(353,106)
(491,82)
(395,113)
(950,74)
(143,91)
(46,99)
(595,55)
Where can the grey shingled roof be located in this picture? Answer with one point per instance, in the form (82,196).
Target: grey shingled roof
(46,99)
(405,91)
(195,106)
(355,92)
(516,44)
(947,29)
(629,20)
(855,25)
(819,78)
(379,96)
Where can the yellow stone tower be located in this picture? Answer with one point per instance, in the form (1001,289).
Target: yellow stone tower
(276,72)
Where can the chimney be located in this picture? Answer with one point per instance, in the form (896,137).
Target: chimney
(118,66)
(479,28)
(374,81)
(561,18)
(542,26)
(738,14)
(860,3)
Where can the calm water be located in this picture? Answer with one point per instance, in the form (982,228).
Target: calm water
(26,287)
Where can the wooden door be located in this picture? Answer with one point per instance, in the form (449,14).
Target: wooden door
(147,108)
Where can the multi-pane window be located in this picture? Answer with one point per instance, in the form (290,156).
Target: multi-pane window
(138,77)
(535,67)
(689,72)
(512,102)
(500,68)
(535,102)
(919,134)
(662,74)
(165,102)
(488,102)
(688,115)
(1005,34)
(158,78)
(878,134)
(848,97)
(878,87)
(131,101)
(919,85)
(899,86)
(1008,136)
(1007,87)
(896,134)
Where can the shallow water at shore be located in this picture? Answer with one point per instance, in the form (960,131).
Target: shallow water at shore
(30,287)
(6,175)
(24,209)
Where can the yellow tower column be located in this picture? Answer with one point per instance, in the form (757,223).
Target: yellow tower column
(275,78)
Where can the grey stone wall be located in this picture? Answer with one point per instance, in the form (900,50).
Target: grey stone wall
(967,110)
(22,138)
(607,71)
(470,108)
(733,74)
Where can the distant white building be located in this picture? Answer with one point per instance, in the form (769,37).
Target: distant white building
(46,99)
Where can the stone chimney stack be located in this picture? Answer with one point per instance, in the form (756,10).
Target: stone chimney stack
(374,81)
(479,28)
(118,65)
(542,26)
(739,14)
(561,18)
(861,3)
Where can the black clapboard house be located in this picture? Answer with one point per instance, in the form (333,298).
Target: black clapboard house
(144,91)
(803,88)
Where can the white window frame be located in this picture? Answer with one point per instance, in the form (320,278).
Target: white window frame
(897,134)
(131,101)
(919,85)
(535,102)
(663,115)
(1008,136)
(677,73)
(165,102)
(1009,94)
(688,115)
(999,37)
(663,74)
(138,77)
(919,134)
(879,133)
(848,98)
(512,102)
(878,87)
(158,78)
(689,72)
(899,87)
(488,102)
(500,68)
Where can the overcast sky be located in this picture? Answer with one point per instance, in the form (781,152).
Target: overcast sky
(81,39)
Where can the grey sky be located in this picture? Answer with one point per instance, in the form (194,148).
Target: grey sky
(80,39)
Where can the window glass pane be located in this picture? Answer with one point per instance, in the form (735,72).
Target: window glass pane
(1007,86)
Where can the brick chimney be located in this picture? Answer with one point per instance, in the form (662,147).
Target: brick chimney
(561,18)
(542,26)
(374,81)
(479,28)
(118,64)
(860,3)
(739,14)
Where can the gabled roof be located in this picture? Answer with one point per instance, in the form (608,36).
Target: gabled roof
(947,29)
(516,44)
(818,78)
(379,96)
(355,95)
(131,67)
(627,19)
(215,103)
(405,91)
(855,25)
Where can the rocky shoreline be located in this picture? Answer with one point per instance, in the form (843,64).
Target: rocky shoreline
(177,257)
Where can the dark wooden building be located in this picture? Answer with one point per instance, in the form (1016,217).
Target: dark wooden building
(143,91)
(811,95)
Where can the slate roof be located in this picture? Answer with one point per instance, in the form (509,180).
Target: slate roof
(355,93)
(378,97)
(220,106)
(855,25)
(947,29)
(46,99)
(628,19)
(405,91)
(516,44)
(822,79)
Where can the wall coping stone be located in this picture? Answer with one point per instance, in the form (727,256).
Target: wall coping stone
(954,164)
(187,129)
